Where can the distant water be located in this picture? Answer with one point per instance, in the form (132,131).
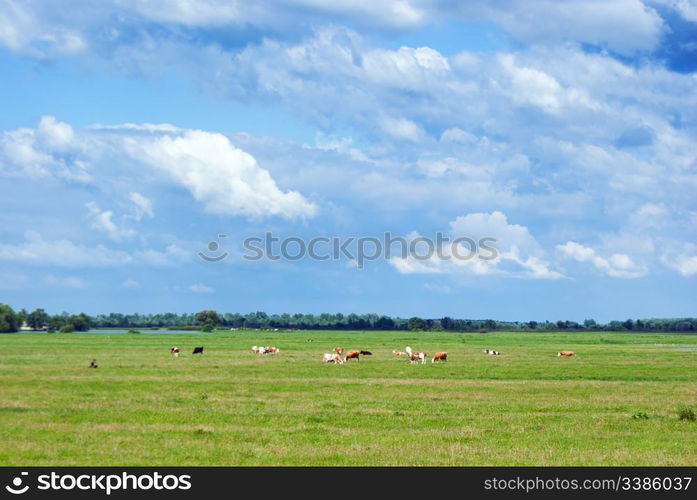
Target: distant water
(144,331)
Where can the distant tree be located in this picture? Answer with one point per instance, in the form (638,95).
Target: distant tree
(416,323)
(208,317)
(207,327)
(8,319)
(384,323)
(532,324)
(628,324)
(66,329)
(80,322)
(589,323)
(489,324)
(448,323)
(435,325)
(21,316)
(37,319)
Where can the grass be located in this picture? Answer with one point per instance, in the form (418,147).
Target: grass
(231,407)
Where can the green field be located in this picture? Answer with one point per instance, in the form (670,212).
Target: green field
(231,407)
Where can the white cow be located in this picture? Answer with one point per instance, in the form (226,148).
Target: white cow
(332,357)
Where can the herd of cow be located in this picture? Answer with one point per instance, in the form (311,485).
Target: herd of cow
(336,355)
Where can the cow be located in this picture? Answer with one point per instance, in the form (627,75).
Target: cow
(439,356)
(399,353)
(339,350)
(93,364)
(258,350)
(366,353)
(198,350)
(566,353)
(174,351)
(332,357)
(491,352)
(352,355)
(272,350)
(418,356)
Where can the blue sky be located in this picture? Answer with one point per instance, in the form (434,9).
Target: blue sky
(133,133)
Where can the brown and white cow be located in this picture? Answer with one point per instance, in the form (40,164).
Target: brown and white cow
(439,356)
(566,353)
(418,356)
(399,353)
(339,350)
(174,351)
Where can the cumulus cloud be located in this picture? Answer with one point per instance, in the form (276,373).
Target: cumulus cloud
(502,249)
(227,180)
(48,150)
(224,178)
(616,265)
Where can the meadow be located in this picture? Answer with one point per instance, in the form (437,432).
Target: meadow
(615,403)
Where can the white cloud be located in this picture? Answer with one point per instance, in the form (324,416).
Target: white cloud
(131,284)
(143,206)
(54,135)
(227,180)
(102,220)
(510,251)
(201,288)
(64,281)
(686,265)
(43,152)
(616,265)
(172,255)
(402,129)
(61,253)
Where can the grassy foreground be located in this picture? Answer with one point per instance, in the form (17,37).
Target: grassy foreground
(231,407)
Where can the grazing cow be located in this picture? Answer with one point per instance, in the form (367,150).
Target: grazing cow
(566,353)
(439,356)
(491,352)
(332,357)
(257,350)
(366,353)
(416,357)
(352,355)
(198,350)
(174,351)
(339,350)
(93,364)
(272,350)
(399,353)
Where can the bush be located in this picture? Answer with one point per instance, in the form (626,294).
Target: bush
(686,413)
(67,329)
(134,332)
(207,328)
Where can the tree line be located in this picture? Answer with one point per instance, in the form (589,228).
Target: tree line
(11,321)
